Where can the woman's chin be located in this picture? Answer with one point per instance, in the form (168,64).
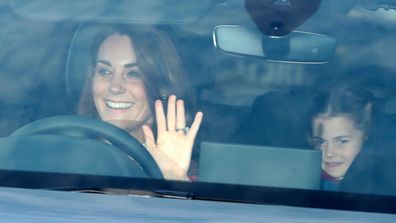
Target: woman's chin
(127,125)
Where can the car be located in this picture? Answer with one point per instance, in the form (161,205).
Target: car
(259,71)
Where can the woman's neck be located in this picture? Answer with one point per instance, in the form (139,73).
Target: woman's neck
(138,134)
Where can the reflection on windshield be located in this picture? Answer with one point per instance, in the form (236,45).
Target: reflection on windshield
(190,105)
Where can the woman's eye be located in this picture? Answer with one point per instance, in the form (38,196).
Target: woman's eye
(133,75)
(103,71)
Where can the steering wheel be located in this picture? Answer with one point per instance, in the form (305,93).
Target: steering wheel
(71,125)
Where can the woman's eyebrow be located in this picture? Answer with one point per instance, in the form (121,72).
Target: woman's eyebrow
(128,65)
(105,62)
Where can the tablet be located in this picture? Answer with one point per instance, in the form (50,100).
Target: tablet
(260,165)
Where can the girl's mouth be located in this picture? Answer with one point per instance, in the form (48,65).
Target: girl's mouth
(331,165)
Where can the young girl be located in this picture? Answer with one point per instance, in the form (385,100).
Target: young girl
(341,120)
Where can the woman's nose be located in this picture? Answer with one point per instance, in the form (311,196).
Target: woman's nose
(117,86)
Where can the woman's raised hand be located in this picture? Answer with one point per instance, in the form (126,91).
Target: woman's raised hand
(173,147)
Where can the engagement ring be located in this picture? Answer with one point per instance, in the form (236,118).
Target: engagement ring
(185,130)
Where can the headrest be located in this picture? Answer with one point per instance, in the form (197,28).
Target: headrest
(276,116)
(79,63)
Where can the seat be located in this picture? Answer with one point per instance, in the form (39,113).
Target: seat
(373,169)
(278,119)
(221,121)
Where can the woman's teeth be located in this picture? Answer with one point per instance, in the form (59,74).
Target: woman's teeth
(118,105)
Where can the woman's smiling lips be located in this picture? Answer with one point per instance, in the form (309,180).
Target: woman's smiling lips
(118,105)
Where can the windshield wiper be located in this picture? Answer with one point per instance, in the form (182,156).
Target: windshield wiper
(130,192)
(174,194)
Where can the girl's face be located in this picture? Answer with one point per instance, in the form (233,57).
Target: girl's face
(340,141)
(118,90)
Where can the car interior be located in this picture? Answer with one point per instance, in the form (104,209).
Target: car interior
(247,98)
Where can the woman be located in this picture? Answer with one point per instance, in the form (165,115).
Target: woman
(134,67)
(341,120)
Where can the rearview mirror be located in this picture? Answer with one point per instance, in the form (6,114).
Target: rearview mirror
(296,47)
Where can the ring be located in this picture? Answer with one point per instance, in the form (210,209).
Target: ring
(185,130)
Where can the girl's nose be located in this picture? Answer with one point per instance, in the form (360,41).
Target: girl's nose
(328,150)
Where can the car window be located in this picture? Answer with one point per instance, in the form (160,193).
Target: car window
(263,94)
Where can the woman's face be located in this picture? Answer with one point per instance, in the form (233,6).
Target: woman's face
(340,141)
(118,90)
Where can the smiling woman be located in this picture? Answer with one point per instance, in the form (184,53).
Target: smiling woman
(118,90)
(133,67)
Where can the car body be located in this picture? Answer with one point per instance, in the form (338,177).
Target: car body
(253,65)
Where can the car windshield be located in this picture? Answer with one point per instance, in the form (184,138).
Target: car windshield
(279,95)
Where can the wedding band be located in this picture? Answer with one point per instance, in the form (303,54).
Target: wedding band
(185,130)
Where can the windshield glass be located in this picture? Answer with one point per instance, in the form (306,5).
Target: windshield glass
(282,94)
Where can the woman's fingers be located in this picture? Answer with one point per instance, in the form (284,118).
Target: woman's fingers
(160,117)
(195,125)
(180,115)
(175,117)
(149,139)
(171,113)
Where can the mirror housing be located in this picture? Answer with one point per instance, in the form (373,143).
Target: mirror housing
(280,17)
(296,47)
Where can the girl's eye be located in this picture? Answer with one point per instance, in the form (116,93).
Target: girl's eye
(342,141)
(133,75)
(318,143)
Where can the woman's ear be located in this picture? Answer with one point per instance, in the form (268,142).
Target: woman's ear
(367,119)
(165,93)
(368,108)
